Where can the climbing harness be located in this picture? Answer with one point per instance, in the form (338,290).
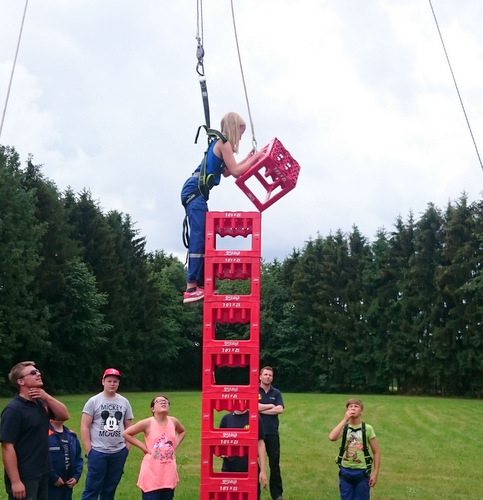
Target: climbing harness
(365,449)
(205,181)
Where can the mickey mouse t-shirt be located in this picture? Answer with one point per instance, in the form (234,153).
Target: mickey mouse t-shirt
(108,415)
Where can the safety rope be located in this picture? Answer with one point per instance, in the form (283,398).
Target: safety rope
(200,53)
(456,85)
(13,67)
(254,142)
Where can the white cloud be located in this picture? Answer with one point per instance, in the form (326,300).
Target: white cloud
(106,96)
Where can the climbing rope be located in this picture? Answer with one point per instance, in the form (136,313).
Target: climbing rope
(200,53)
(456,85)
(200,68)
(254,142)
(13,67)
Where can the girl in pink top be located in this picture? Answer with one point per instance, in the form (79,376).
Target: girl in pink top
(163,434)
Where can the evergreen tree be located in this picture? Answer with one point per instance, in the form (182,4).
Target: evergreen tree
(459,330)
(74,360)
(22,321)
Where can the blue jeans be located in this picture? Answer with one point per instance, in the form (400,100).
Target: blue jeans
(354,484)
(60,493)
(163,494)
(196,212)
(104,471)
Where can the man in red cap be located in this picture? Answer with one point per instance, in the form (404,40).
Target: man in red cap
(104,418)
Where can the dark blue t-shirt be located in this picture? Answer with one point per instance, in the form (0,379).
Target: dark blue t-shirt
(273,396)
(238,421)
(25,424)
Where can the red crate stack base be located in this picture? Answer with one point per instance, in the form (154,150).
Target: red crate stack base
(221,356)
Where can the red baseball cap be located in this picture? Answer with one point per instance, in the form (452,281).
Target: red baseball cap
(112,371)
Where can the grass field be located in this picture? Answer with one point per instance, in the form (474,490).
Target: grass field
(429,446)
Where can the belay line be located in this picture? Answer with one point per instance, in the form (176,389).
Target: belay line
(276,172)
(254,141)
(456,85)
(13,67)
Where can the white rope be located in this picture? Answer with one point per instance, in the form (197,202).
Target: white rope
(13,67)
(254,142)
(456,86)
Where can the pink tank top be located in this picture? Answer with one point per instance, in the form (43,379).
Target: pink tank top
(158,468)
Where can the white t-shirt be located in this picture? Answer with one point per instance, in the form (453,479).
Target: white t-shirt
(108,415)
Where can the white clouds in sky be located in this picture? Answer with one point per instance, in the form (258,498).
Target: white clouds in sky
(106,97)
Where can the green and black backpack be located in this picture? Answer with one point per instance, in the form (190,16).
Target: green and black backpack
(365,449)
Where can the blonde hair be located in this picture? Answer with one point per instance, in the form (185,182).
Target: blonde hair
(16,372)
(354,401)
(230,128)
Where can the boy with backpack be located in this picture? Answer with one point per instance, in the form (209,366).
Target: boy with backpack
(358,469)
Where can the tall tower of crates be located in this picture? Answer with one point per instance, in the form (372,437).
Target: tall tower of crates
(222,355)
(273,176)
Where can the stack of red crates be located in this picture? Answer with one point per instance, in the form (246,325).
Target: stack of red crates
(240,353)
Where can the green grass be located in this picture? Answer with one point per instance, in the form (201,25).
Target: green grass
(429,446)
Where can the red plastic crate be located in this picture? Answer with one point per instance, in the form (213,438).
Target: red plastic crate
(211,405)
(209,494)
(234,310)
(231,352)
(232,268)
(230,488)
(276,172)
(233,224)
(229,443)
(211,477)
(212,361)
(229,397)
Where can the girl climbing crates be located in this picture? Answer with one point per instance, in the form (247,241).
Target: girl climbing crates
(219,160)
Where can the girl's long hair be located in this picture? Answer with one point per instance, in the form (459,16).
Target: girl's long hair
(230,128)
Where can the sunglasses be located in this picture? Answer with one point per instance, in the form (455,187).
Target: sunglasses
(31,372)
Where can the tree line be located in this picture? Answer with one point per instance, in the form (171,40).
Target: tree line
(79,292)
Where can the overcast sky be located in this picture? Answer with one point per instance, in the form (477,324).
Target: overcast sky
(106,96)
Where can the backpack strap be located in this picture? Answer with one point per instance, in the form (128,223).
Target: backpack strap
(205,182)
(211,133)
(365,449)
(338,460)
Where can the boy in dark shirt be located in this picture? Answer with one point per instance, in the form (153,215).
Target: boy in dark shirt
(239,420)
(67,461)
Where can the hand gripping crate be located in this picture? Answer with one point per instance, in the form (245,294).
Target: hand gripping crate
(276,172)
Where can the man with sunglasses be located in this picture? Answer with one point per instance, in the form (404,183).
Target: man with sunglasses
(24,431)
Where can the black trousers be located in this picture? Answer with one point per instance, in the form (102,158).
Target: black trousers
(272,444)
